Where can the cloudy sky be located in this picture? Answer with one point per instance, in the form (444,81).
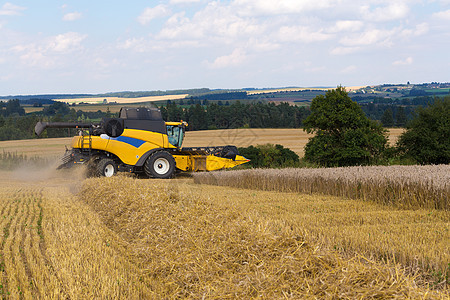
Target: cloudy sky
(87,46)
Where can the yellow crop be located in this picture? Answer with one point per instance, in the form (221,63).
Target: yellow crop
(398,186)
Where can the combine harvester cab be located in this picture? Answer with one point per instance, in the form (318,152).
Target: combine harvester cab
(139,141)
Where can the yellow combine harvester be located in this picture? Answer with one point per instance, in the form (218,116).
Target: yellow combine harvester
(139,141)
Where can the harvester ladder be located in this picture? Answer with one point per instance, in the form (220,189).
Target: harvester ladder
(86,142)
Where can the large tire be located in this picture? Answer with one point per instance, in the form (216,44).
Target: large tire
(106,167)
(160,165)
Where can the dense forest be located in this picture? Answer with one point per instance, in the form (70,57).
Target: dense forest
(237,115)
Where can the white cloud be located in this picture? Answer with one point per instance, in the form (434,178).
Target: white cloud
(72,16)
(347,25)
(262,45)
(49,52)
(133,43)
(34,57)
(420,29)
(301,34)
(344,50)
(236,58)
(443,15)
(66,42)
(349,69)
(9,9)
(184,1)
(393,11)
(215,22)
(369,37)
(270,7)
(316,69)
(406,61)
(151,13)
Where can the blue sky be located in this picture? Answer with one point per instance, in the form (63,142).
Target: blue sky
(106,46)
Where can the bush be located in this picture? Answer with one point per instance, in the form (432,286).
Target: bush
(270,156)
(427,136)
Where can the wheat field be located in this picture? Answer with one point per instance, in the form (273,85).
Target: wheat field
(65,236)
(408,187)
(406,215)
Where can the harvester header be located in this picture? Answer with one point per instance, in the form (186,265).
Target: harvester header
(139,141)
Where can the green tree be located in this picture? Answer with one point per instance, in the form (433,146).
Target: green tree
(56,108)
(13,107)
(197,117)
(401,117)
(174,112)
(344,136)
(426,138)
(388,118)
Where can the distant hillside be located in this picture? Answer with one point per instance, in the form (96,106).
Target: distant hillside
(295,95)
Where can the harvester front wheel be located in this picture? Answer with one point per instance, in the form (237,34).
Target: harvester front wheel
(160,165)
(106,167)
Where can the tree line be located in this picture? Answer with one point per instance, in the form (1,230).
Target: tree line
(236,115)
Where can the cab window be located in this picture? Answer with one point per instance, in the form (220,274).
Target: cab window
(175,135)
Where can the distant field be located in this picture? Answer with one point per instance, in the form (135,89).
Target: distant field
(441,91)
(268,91)
(100,100)
(257,92)
(294,139)
(30,108)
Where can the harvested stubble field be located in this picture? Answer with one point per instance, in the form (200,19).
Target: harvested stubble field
(69,237)
(64,236)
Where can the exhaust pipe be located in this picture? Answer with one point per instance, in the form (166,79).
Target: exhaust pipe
(41,126)
(113,127)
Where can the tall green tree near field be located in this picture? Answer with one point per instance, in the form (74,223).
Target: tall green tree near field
(11,107)
(427,137)
(401,117)
(388,118)
(344,136)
